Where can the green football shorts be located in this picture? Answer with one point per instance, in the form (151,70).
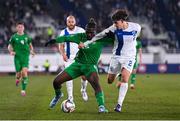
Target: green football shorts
(21,62)
(77,69)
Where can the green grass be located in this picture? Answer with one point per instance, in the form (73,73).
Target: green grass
(155,97)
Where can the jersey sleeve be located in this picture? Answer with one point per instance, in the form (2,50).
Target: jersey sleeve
(29,39)
(106,41)
(11,40)
(138,30)
(76,38)
(82,30)
(61,33)
(100,35)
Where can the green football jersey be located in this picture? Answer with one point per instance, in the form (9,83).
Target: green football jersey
(90,54)
(20,44)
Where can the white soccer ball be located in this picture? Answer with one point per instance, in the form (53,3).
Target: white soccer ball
(67,106)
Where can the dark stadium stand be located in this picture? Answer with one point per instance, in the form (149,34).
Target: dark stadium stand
(161,17)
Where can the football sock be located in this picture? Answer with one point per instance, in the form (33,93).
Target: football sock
(69,86)
(133,78)
(57,92)
(100,98)
(24,83)
(122,92)
(83,85)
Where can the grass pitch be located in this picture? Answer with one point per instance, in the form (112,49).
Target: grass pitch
(156,97)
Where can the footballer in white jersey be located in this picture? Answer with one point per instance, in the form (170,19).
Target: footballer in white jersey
(124,34)
(68,51)
(73,47)
(124,50)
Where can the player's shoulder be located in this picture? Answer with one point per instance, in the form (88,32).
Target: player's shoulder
(80,29)
(14,35)
(135,25)
(62,32)
(112,27)
(27,36)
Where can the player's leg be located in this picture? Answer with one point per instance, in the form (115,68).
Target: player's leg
(83,88)
(58,81)
(133,75)
(18,70)
(18,78)
(69,84)
(118,84)
(24,80)
(91,73)
(69,73)
(113,70)
(133,79)
(125,74)
(93,79)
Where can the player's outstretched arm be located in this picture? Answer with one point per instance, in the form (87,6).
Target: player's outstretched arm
(76,38)
(49,42)
(109,32)
(108,37)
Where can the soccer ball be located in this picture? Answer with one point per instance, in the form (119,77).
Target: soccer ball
(67,106)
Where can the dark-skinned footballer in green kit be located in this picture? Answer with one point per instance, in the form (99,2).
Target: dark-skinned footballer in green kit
(85,63)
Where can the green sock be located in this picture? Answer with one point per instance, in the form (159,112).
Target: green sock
(24,83)
(133,78)
(57,92)
(100,98)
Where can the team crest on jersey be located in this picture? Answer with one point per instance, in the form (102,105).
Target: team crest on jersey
(26,38)
(16,38)
(22,42)
(134,33)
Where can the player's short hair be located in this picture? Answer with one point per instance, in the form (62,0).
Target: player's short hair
(91,26)
(71,16)
(19,22)
(120,14)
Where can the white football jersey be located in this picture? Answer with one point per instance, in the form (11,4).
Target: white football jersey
(73,47)
(125,40)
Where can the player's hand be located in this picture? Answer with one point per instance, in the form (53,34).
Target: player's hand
(65,58)
(50,42)
(110,34)
(81,45)
(32,53)
(12,53)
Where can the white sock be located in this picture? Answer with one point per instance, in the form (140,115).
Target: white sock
(69,86)
(122,92)
(83,85)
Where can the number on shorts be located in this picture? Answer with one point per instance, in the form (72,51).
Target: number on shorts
(130,63)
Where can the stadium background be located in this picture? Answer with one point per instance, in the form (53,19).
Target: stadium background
(45,18)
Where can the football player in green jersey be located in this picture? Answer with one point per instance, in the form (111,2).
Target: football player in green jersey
(85,64)
(20,46)
(137,62)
